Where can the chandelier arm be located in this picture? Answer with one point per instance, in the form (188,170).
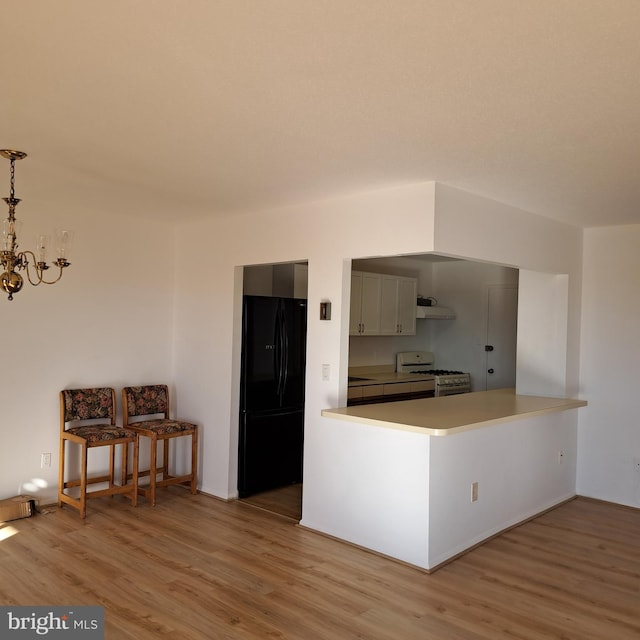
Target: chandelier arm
(53,281)
(24,261)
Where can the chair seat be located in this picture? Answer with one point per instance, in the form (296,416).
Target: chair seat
(101,432)
(162,426)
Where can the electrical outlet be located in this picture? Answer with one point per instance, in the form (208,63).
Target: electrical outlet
(45,460)
(326,372)
(560,457)
(474,491)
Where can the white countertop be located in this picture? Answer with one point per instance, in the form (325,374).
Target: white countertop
(383,374)
(452,414)
(389,378)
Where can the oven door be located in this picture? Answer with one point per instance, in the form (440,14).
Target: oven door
(451,390)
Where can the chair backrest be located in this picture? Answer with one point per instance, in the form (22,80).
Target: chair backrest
(87,404)
(147,400)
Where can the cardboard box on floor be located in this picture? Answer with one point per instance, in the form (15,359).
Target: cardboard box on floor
(17,507)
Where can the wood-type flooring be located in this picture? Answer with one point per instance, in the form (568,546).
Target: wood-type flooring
(285,501)
(198,568)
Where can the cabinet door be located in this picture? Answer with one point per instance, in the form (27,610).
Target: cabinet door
(397,388)
(356,303)
(372,390)
(389,306)
(407,291)
(398,306)
(370,308)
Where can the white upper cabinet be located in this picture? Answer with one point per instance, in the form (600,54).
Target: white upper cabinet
(365,304)
(398,306)
(382,305)
(407,297)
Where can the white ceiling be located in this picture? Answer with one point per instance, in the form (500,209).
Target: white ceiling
(214,107)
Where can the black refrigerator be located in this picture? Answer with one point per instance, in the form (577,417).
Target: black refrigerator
(274,334)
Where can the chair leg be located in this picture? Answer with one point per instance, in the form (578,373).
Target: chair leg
(194,461)
(112,466)
(134,478)
(153,471)
(83,481)
(165,458)
(125,463)
(61,471)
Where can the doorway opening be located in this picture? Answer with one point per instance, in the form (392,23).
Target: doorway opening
(459,341)
(272,387)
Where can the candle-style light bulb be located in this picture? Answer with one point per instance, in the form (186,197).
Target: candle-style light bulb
(64,239)
(10,230)
(41,249)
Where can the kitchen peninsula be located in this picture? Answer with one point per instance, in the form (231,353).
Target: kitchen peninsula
(454,414)
(424,480)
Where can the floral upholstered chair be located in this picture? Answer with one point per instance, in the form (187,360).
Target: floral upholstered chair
(149,408)
(87,419)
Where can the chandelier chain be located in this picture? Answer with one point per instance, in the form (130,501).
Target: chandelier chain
(12,192)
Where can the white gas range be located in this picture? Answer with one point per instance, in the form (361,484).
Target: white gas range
(447,382)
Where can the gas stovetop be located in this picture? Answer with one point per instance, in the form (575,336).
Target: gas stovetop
(438,372)
(421,362)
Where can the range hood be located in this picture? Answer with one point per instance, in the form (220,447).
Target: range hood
(435,312)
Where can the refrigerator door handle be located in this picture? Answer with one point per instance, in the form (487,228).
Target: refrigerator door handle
(282,353)
(285,353)
(277,356)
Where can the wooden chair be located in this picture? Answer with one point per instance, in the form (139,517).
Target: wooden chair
(153,400)
(84,407)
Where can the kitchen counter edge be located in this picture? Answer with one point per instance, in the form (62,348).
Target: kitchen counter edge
(449,415)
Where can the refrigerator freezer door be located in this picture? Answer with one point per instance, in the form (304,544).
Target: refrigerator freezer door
(270,451)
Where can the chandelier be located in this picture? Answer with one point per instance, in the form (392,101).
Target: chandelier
(12,260)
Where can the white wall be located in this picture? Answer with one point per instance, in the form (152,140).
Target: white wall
(518,471)
(609,432)
(387,512)
(543,312)
(108,322)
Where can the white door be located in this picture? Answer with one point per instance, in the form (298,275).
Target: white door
(500,347)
